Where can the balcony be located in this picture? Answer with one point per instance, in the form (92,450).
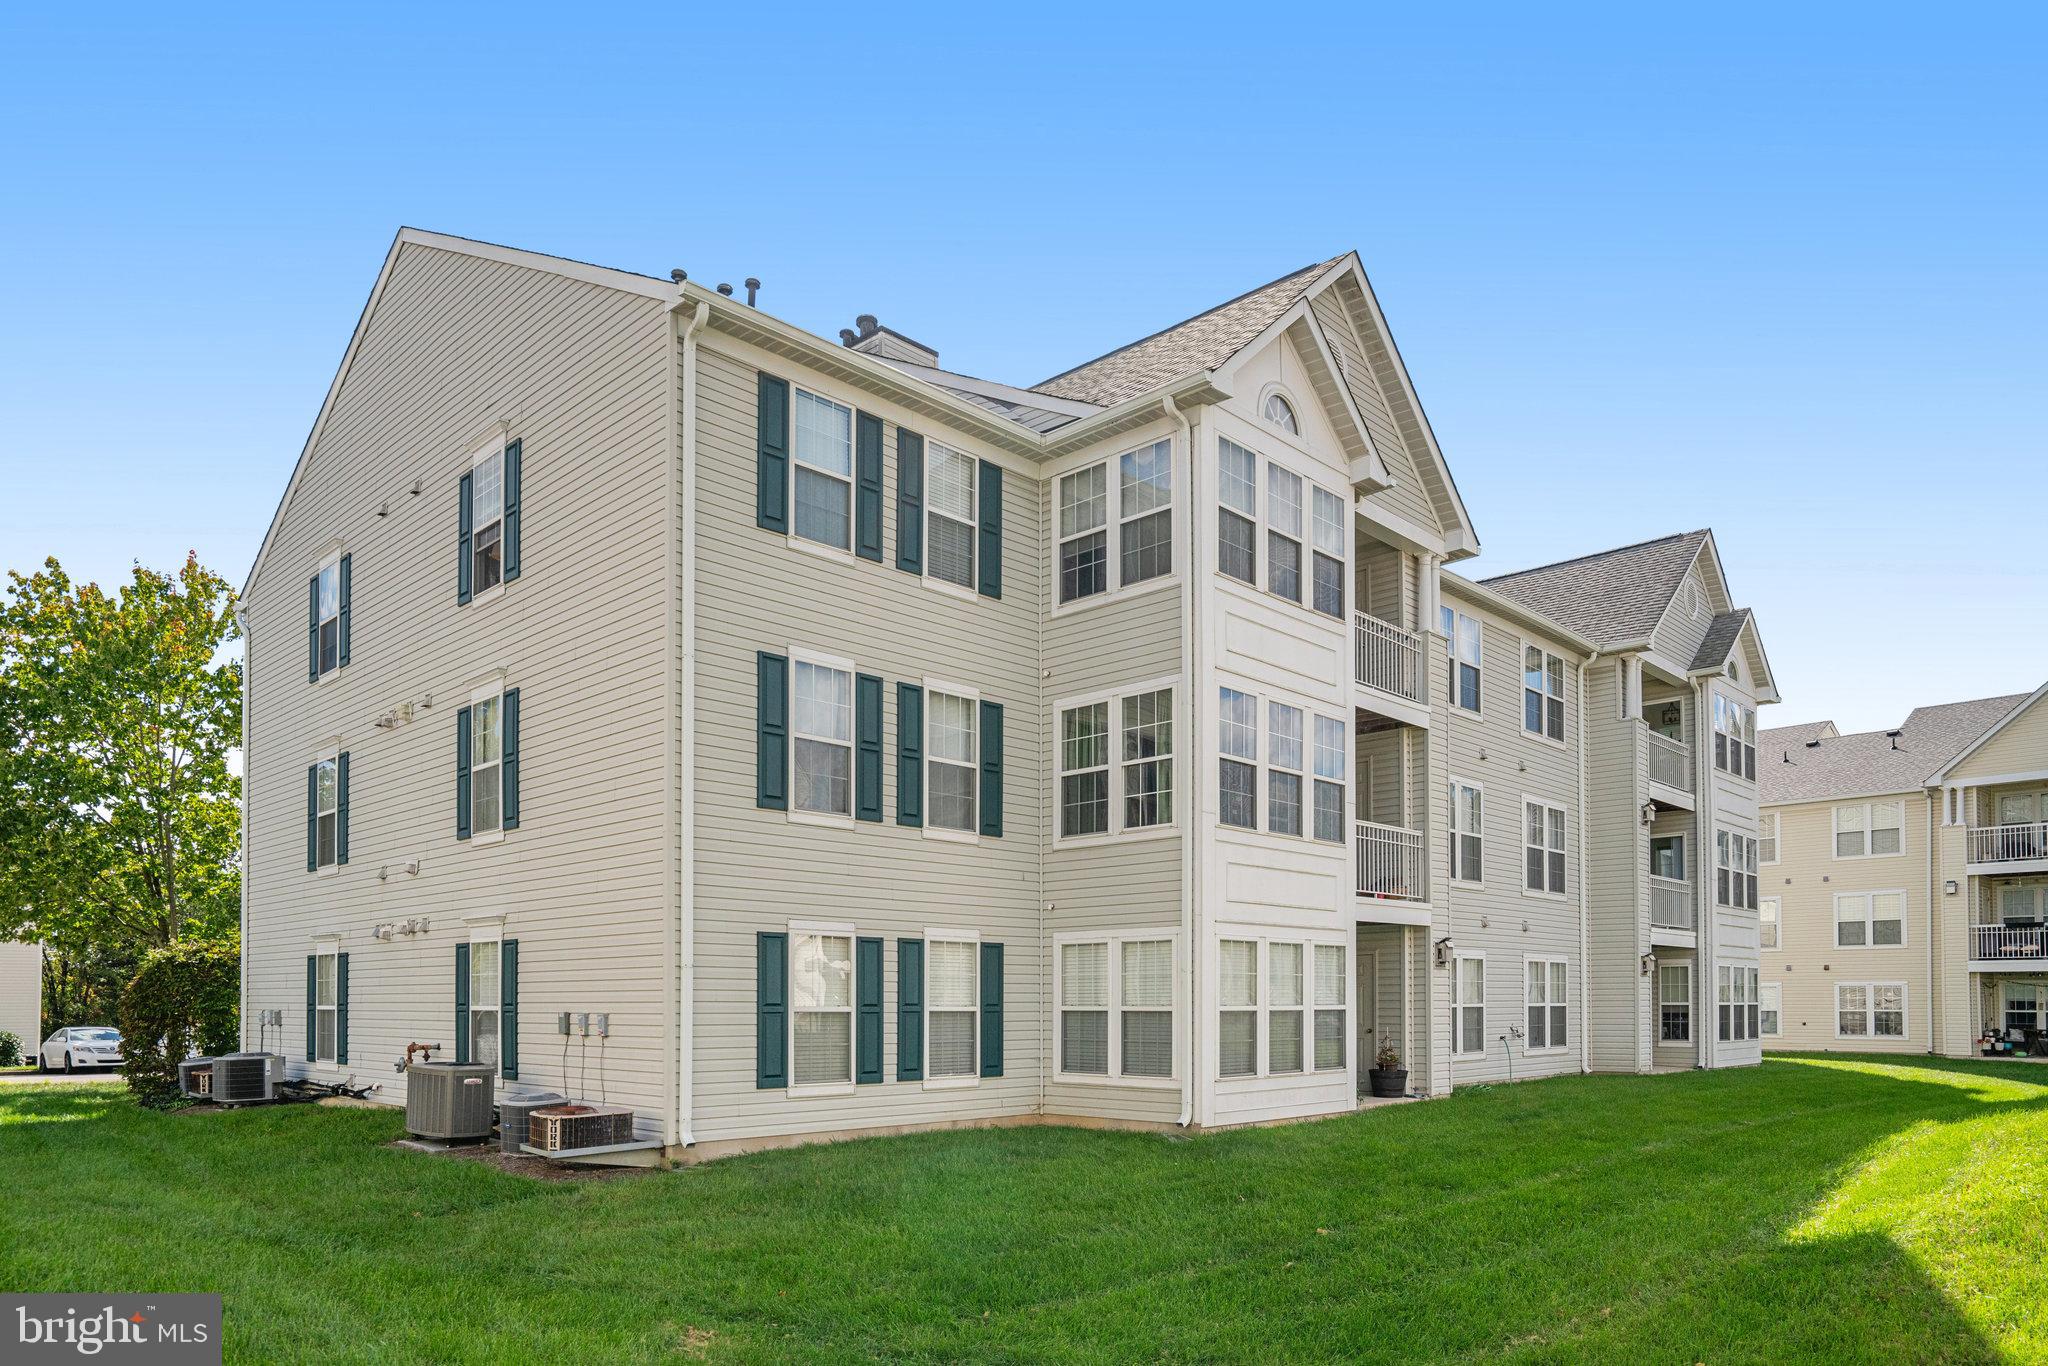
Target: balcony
(1670,903)
(2008,943)
(2009,843)
(1389,659)
(1670,761)
(1389,862)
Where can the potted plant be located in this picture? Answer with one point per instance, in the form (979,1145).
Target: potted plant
(1388,1077)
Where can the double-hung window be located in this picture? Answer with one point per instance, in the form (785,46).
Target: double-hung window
(327,812)
(1142,490)
(821,737)
(1462,650)
(1674,1002)
(1116,998)
(1735,879)
(1767,838)
(1546,996)
(1870,919)
(326,999)
(1237,520)
(1283,782)
(1542,693)
(486,958)
(952,760)
(1870,1010)
(1468,839)
(821,1014)
(952,1006)
(1284,1003)
(1329,796)
(1331,985)
(1468,1005)
(1543,847)
(1734,737)
(1297,804)
(1237,774)
(1237,1033)
(1327,526)
(328,616)
(1736,998)
(1084,535)
(1770,1001)
(949,515)
(1145,1008)
(1870,830)
(487,503)
(487,763)
(1287,994)
(823,447)
(1104,792)
(1767,911)
(1283,532)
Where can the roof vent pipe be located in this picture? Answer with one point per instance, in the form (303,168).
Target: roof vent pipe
(867,323)
(1894,738)
(847,336)
(679,275)
(726,290)
(753,290)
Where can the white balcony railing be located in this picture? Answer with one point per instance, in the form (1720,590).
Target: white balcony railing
(2008,942)
(1389,862)
(1670,761)
(1670,903)
(2009,843)
(1389,658)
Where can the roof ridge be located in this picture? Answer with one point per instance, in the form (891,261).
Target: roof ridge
(1887,730)
(1599,554)
(1195,317)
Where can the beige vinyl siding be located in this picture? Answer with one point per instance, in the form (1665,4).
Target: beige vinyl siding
(1953,915)
(1678,634)
(1407,496)
(455,343)
(21,993)
(2022,747)
(1618,885)
(757,870)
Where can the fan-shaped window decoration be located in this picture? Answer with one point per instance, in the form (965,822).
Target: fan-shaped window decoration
(1280,413)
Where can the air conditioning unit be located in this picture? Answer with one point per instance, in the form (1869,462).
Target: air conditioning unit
(565,1128)
(450,1100)
(243,1078)
(512,1115)
(195,1078)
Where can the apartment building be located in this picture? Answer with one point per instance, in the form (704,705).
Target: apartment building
(1905,872)
(873,746)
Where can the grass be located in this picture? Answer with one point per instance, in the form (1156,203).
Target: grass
(1816,1208)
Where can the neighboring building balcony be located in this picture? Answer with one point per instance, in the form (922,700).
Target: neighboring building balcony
(1995,946)
(1389,862)
(1388,658)
(1671,909)
(2004,848)
(1670,763)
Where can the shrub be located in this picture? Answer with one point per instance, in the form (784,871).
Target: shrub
(183,996)
(10,1048)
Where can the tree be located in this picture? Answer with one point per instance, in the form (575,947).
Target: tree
(119,818)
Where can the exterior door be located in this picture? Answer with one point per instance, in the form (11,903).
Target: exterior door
(1366,1014)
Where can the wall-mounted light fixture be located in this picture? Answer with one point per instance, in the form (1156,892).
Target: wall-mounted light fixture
(1443,952)
(1949,888)
(1649,964)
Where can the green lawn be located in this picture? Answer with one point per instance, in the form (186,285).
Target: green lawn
(1811,1209)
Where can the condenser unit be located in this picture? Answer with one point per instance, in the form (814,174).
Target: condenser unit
(243,1078)
(512,1116)
(567,1128)
(450,1100)
(195,1078)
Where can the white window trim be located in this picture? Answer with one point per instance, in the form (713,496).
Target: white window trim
(851,478)
(1275,389)
(1263,1046)
(325,949)
(1116,590)
(330,755)
(1312,477)
(1870,1011)
(931,1083)
(967,591)
(484,692)
(1738,869)
(1459,1005)
(1304,741)
(800,655)
(1114,700)
(487,932)
(1453,830)
(1547,959)
(496,445)
(1731,708)
(1869,919)
(973,697)
(1777,835)
(1777,992)
(1776,920)
(1684,839)
(1451,654)
(1263,766)
(332,560)
(1523,645)
(1529,800)
(1115,942)
(1684,966)
(851,933)
(1869,810)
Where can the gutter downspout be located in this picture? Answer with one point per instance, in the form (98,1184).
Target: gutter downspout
(683,550)
(1932,902)
(242,1019)
(1190,860)
(1585,973)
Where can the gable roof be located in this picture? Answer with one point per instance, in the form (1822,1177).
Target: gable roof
(1791,768)
(2021,705)
(1614,597)
(1722,633)
(1795,735)
(1202,342)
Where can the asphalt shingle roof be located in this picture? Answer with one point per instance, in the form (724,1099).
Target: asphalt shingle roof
(1611,597)
(1720,639)
(1788,769)
(1201,343)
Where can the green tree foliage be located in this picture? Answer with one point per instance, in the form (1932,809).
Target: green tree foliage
(184,996)
(119,824)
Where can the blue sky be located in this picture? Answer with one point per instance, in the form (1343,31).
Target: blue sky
(1778,270)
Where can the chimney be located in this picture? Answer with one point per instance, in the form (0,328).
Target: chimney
(871,338)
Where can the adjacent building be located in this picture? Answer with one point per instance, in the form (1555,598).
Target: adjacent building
(792,738)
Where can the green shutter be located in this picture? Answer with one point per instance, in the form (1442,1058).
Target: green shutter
(909,501)
(312,1003)
(508,774)
(464,516)
(771,470)
(508,1009)
(771,1010)
(909,754)
(312,818)
(462,1003)
(992,768)
(462,774)
(511,518)
(867,486)
(341,1010)
(867,1003)
(909,1009)
(867,753)
(771,731)
(341,808)
(991,1010)
(313,630)
(346,611)
(990,519)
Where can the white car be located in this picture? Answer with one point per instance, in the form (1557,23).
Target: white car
(82,1046)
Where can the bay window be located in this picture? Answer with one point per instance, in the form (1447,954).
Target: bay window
(1283,533)
(1734,737)
(1238,769)
(1329,794)
(1289,995)
(1329,527)
(1237,521)
(1283,781)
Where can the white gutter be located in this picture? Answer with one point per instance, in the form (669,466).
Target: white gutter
(242,1025)
(684,772)
(1585,970)
(1190,862)
(1933,900)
